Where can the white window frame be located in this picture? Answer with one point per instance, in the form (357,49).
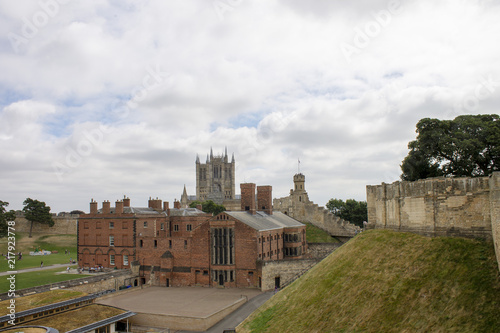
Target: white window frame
(125,260)
(112,259)
(111,240)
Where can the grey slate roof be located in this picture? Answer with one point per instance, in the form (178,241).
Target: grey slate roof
(262,221)
(185,212)
(135,210)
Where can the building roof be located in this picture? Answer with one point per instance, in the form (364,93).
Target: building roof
(136,210)
(186,212)
(262,221)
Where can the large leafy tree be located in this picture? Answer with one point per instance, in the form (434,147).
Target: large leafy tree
(37,211)
(468,145)
(208,206)
(5,217)
(351,210)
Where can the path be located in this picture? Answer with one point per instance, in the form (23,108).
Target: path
(34,269)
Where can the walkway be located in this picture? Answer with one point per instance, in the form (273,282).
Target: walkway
(34,269)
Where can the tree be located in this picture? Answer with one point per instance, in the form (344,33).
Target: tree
(37,211)
(467,146)
(351,210)
(208,206)
(5,218)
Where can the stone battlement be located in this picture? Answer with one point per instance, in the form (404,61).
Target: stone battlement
(467,207)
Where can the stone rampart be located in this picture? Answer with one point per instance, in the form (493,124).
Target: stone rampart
(321,250)
(467,207)
(64,224)
(285,270)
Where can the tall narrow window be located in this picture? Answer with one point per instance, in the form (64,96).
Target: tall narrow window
(111,240)
(222,240)
(189,227)
(111,225)
(156,243)
(112,259)
(125,260)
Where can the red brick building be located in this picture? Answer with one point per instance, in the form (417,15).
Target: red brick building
(186,247)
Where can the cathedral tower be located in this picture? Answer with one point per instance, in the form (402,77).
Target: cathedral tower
(215,178)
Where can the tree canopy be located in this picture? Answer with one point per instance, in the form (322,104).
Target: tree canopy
(467,146)
(5,217)
(208,206)
(351,210)
(37,211)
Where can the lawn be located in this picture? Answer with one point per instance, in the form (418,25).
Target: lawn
(317,235)
(24,244)
(38,278)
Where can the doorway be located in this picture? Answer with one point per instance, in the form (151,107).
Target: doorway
(168,283)
(221,279)
(277,282)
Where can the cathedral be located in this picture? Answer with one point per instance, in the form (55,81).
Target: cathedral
(215,181)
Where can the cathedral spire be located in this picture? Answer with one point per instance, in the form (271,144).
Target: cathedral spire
(211,154)
(197,159)
(225,155)
(232,159)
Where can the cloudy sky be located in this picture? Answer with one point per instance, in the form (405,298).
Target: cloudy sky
(100,99)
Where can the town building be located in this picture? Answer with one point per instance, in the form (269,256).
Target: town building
(187,247)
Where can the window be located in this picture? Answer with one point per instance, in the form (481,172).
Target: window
(185,244)
(125,260)
(169,243)
(112,259)
(205,272)
(176,227)
(145,224)
(189,227)
(162,226)
(156,243)
(140,243)
(111,225)
(111,240)
(222,246)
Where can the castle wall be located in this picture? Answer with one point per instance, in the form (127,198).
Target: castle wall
(64,224)
(468,207)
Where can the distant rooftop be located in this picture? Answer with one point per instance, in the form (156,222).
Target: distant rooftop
(262,221)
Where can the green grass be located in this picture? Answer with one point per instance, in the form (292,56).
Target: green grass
(317,235)
(384,281)
(38,278)
(24,244)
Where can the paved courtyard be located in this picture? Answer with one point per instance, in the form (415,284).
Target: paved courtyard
(186,301)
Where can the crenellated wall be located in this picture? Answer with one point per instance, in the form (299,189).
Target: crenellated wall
(64,224)
(467,207)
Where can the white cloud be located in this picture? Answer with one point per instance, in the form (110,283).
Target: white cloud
(110,98)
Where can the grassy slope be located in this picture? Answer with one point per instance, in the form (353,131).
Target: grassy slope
(38,278)
(316,235)
(25,244)
(383,281)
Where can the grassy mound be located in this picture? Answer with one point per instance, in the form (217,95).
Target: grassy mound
(383,281)
(316,235)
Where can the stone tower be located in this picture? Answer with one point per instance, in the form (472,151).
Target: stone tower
(215,178)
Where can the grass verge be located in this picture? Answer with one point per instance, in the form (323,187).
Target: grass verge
(38,278)
(384,281)
(317,235)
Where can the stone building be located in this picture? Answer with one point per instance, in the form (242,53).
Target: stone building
(215,180)
(298,206)
(186,247)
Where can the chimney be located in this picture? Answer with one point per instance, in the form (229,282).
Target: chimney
(119,207)
(166,206)
(93,207)
(126,201)
(177,204)
(106,207)
(199,207)
(265,199)
(155,203)
(248,197)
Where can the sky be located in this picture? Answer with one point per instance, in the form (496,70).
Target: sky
(101,99)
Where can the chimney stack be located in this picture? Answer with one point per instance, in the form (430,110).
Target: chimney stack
(126,201)
(166,206)
(119,207)
(106,207)
(248,197)
(177,204)
(155,204)
(265,199)
(93,207)
(199,207)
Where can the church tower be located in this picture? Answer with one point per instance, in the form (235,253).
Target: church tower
(215,178)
